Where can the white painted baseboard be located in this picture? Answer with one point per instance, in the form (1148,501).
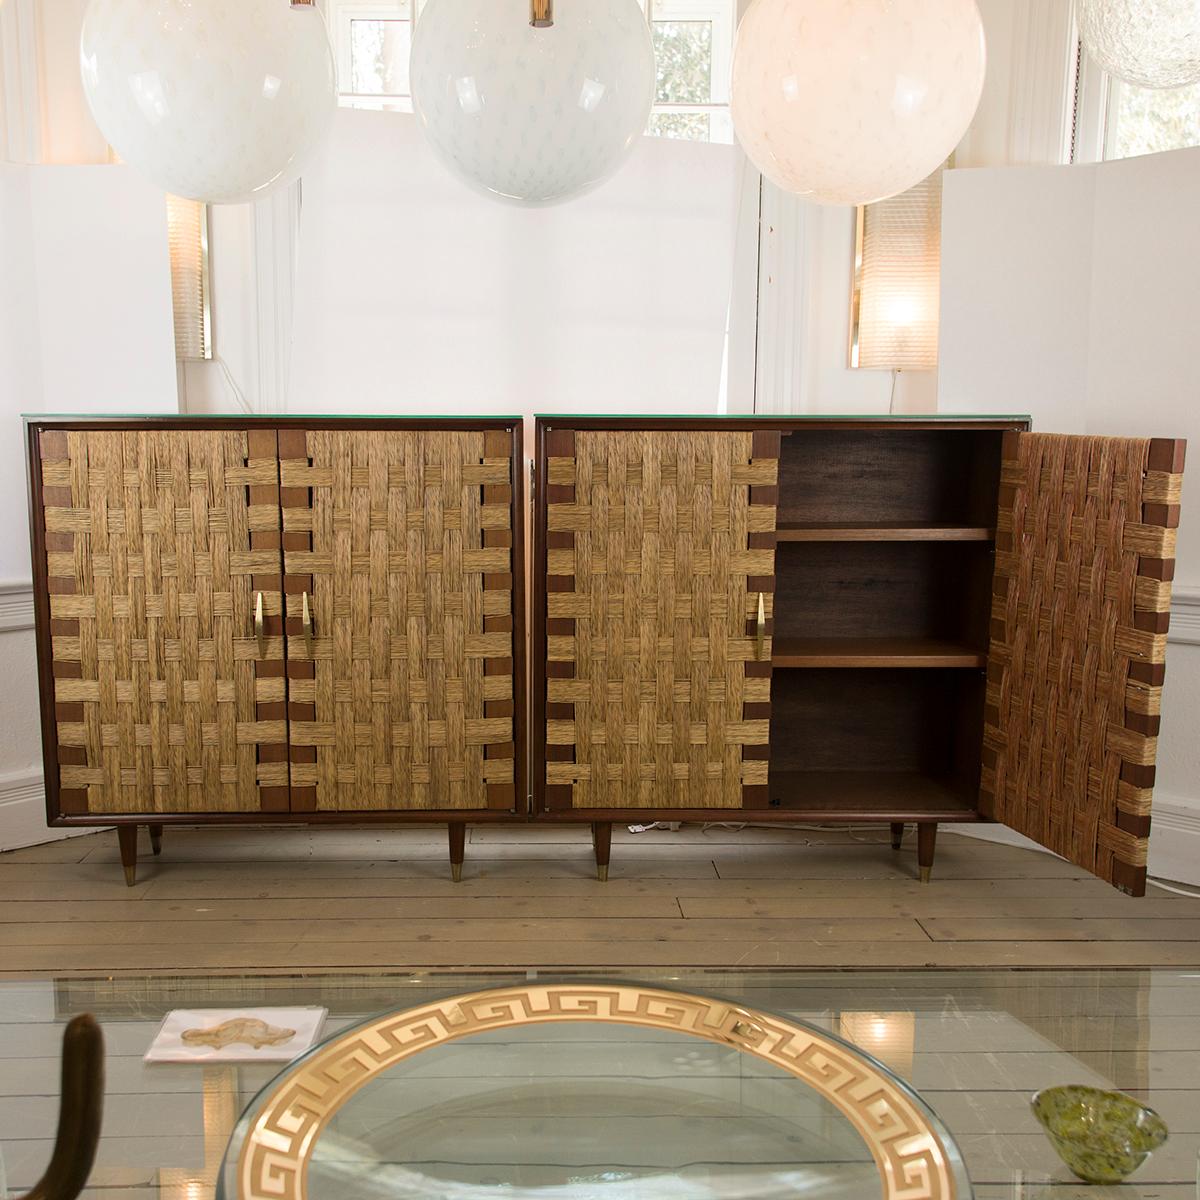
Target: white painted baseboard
(1174,838)
(23,812)
(16,606)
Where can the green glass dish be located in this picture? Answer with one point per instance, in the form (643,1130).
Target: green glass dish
(1102,1136)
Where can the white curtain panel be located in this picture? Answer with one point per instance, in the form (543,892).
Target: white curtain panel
(418,295)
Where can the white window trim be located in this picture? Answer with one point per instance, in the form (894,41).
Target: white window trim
(1095,108)
(341,16)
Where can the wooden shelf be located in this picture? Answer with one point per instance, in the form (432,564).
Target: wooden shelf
(858,795)
(874,652)
(791,531)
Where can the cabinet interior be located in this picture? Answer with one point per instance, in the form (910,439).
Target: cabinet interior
(882,594)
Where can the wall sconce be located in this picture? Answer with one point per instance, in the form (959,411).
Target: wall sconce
(890,1037)
(187,234)
(897,267)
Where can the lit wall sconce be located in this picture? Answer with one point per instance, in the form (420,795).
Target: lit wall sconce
(187,233)
(897,264)
(888,1036)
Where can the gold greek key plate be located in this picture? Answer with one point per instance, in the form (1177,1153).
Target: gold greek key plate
(279,1135)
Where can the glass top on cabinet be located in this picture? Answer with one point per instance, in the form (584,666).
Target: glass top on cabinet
(589,1091)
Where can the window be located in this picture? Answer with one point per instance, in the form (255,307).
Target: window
(1146,120)
(1119,120)
(693,46)
(372,42)
(693,49)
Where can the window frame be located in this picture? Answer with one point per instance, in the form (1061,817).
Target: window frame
(1097,105)
(342,15)
(722,14)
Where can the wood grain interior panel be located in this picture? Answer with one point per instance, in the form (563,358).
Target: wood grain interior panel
(889,476)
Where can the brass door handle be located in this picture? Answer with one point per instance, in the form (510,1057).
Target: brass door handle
(260,626)
(306,623)
(760,632)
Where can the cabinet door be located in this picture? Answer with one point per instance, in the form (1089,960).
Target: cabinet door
(400,677)
(659,549)
(154,545)
(1085,550)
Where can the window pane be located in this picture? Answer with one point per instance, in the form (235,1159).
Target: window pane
(1148,120)
(379,57)
(683,50)
(692,127)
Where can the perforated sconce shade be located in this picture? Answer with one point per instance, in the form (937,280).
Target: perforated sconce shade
(187,233)
(897,263)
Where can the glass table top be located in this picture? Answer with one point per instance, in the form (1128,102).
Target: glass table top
(593,1091)
(975,1045)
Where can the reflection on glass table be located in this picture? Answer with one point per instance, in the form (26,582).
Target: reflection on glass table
(976,1044)
(591,1091)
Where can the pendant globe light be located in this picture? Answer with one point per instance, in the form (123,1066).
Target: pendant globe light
(1151,43)
(532,107)
(851,101)
(214,100)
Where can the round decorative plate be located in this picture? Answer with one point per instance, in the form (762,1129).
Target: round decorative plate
(566,1091)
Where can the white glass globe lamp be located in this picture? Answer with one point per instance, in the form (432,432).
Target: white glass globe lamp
(532,114)
(1151,43)
(214,100)
(850,101)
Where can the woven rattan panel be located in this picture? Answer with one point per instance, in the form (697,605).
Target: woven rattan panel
(153,566)
(401,694)
(659,544)
(1084,557)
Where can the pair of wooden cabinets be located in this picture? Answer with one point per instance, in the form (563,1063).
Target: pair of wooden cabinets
(884,620)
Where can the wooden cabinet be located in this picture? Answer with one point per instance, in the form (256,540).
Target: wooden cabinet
(900,621)
(867,620)
(278,620)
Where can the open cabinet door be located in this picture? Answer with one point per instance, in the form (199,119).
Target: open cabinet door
(1085,554)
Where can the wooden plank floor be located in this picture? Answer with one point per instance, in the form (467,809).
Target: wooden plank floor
(285,900)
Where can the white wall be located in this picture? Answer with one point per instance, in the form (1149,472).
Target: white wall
(1073,293)
(85,326)
(417,294)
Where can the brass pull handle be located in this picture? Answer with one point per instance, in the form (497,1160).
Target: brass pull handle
(306,623)
(760,632)
(260,626)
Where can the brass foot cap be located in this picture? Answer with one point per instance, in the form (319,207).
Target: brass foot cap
(602,873)
(456,872)
(130,876)
(926,872)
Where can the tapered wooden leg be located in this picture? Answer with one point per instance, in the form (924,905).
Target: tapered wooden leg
(602,840)
(897,834)
(127,840)
(156,832)
(458,845)
(926,841)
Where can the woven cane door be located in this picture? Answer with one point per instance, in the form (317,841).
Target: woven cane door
(158,544)
(398,560)
(659,550)
(1085,552)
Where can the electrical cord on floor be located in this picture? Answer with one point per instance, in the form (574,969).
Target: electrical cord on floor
(737,826)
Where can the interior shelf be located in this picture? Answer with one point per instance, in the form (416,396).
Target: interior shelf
(851,795)
(796,531)
(874,652)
